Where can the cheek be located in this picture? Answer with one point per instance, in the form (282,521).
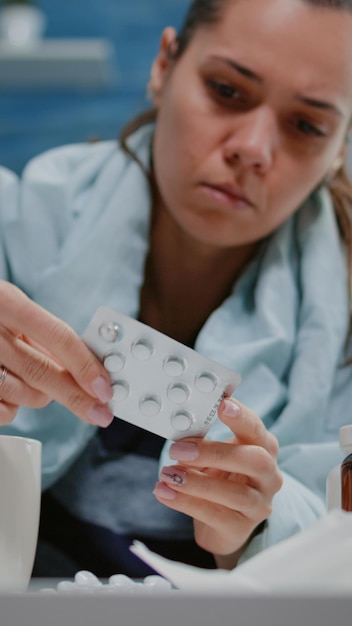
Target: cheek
(286,190)
(168,163)
(178,149)
(294,179)
(183,122)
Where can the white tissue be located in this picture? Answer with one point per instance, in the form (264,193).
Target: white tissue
(316,559)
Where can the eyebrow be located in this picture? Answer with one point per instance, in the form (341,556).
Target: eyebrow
(321,104)
(245,71)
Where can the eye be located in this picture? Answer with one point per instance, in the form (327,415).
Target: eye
(224,90)
(308,129)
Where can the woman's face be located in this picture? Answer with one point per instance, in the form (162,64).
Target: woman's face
(251,117)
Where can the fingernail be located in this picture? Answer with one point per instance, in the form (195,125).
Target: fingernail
(102,389)
(184,451)
(164,492)
(230,408)
(100,416)
(173,475)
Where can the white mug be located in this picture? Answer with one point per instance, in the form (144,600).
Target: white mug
(20,491)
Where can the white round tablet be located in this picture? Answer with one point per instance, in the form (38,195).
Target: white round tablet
(114,362)
(181,421)
(174,366)
(206,382)
(142,350)
(150,405)
(178,393)
(121,390)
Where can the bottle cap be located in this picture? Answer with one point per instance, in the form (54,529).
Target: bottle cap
(345,437)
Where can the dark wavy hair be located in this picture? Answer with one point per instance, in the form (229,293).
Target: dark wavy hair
(207,12)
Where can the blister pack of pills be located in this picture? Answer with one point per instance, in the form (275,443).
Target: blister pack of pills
(159,384)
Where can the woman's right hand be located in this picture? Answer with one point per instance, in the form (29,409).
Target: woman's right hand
(42,359)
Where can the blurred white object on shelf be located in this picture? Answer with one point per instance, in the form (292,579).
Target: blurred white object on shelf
(29,61)
(21,24)
(58,63)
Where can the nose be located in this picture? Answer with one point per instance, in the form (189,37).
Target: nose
(253,140)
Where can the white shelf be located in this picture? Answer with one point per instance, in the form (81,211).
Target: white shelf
(59,63)
(174,608)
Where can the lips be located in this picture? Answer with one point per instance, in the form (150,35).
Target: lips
(228,193)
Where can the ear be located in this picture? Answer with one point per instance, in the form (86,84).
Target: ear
(162,64)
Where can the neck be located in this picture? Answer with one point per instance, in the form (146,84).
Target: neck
(185,279)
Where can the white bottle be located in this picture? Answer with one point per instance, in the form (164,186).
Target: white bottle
(333,483)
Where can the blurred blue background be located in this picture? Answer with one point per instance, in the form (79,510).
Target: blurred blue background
(34,120)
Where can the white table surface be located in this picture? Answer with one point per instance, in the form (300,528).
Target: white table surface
(174,608)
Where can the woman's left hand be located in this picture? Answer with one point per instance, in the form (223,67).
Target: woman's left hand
(227,487)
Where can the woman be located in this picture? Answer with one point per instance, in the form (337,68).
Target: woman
(214,225)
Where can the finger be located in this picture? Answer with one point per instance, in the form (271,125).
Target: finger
(7,412)
(235,495)
(46,376)
(229,528)
(15,391)
(253,461)
(250,464)
(65,345)
(246,425)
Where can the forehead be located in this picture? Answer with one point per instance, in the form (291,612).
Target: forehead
(301,46)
